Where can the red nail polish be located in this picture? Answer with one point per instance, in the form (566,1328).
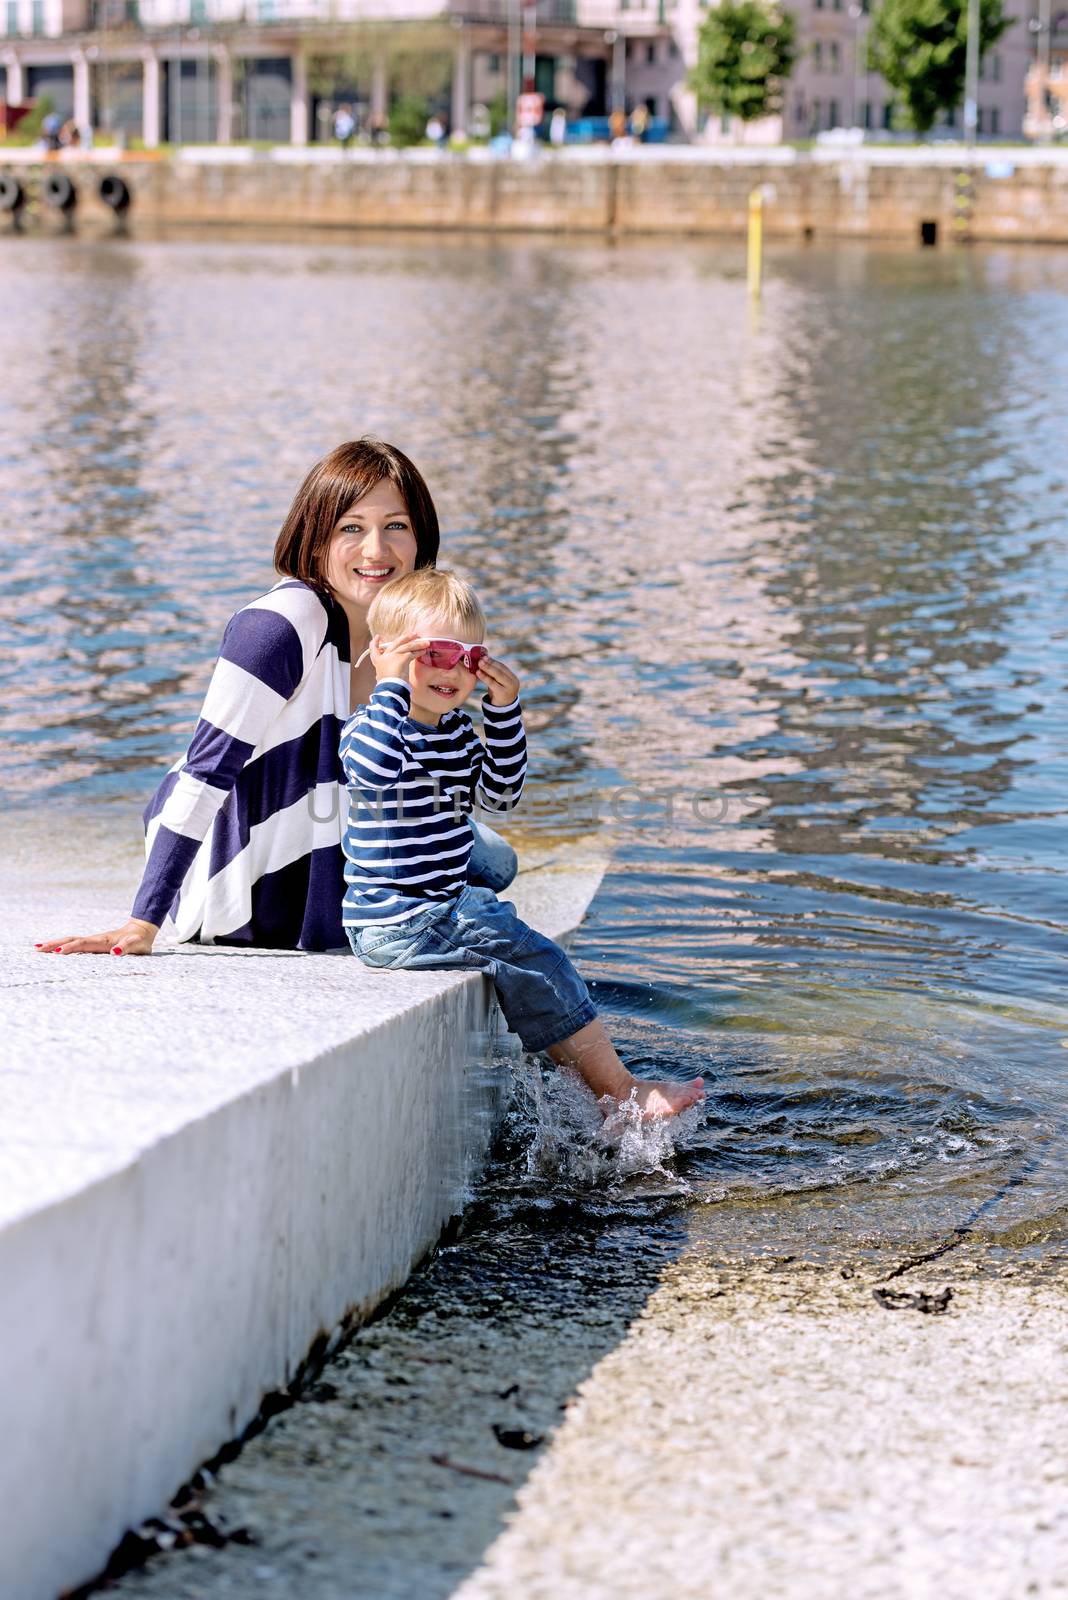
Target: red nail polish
(116,950)
(39,946)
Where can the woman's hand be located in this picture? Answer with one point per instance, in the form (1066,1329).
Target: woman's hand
(134,938)
(501,681)
(392,660)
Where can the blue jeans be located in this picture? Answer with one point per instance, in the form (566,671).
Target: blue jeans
(492,863)
(542,996)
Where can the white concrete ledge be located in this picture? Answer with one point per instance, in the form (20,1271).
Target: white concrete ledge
(209,1158)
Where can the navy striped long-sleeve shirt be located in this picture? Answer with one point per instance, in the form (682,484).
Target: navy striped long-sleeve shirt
(411,788)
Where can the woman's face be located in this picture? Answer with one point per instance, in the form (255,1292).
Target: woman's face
(372,544)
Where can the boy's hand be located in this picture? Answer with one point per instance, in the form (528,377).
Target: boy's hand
(391,659)
(501,681)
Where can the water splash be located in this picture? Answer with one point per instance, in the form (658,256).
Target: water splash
(570,1142)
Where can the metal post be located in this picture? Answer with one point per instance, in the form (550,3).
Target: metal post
(971,75)
(461,74)
(224,97)
(1044,62)
(530,45)
(619,72)
(860,62)
(755,242)
(298,98)
(174,75)
(514,37)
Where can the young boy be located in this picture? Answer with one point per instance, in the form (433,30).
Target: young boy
(415,767)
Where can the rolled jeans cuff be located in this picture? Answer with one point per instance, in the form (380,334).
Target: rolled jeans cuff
(564,1027)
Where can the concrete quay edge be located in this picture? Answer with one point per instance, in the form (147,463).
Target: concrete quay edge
(210,1159)
(1006,194)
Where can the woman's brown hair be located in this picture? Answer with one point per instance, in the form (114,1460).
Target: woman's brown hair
(333,485)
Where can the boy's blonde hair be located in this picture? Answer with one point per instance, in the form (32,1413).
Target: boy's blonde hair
(430,592)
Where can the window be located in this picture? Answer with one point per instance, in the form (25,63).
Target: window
(866,114)
(817,55)
(836,56)
(650,55)
(832,114)
(12,16)
(995,69)
(799,111)
(673,50)
(38,16)
(995,120)
(817,112)
(982,69)
(951,117)
(493,65)
(888,115)
(980,117)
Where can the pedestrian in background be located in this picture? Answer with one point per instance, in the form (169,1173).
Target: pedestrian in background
(344,126)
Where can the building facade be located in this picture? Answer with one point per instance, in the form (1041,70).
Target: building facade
(185,71)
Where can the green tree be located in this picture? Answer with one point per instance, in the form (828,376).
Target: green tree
(498,114)
(418,59)
(745,52)
(407,120)
(920,47)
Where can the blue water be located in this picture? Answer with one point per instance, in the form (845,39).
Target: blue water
(786,590)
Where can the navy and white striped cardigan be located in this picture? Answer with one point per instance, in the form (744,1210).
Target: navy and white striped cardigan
(243,836)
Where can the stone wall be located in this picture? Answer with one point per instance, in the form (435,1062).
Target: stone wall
(873,193)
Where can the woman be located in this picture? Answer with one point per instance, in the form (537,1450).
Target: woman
(244,833)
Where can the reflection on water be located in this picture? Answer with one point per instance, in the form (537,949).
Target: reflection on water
(810,562)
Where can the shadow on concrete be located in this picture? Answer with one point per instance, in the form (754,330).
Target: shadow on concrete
(396,1470)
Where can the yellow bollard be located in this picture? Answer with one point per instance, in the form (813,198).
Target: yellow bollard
(756,240)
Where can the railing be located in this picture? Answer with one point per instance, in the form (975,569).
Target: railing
(619,14)
(206,13)
(118,16)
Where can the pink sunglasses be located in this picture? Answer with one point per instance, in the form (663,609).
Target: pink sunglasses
(446,653)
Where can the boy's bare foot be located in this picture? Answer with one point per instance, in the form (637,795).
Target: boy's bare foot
(589,1052)
(664,1099)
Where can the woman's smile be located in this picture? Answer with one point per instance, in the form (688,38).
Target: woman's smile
(372,543)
